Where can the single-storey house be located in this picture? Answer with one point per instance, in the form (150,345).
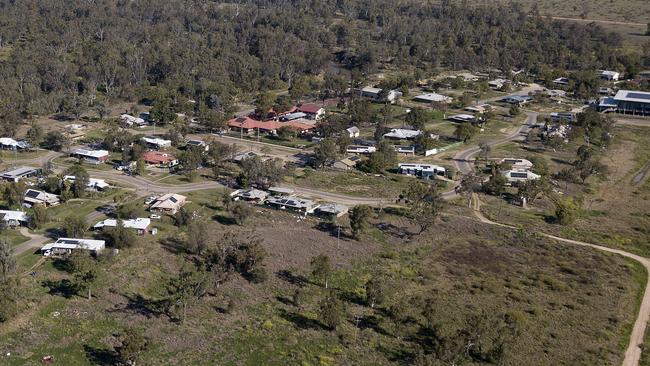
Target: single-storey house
(352,132)
(13,218)
(65,246)
(376,94)
(156,142)
(169,203)
(95,157)
(249,195)
(346,163)
(402,134)
(426,171)
(22,172)
(7,143)
(94,184)
(281,191)
(516,163)
(160,159)
(131,121)
(408,150)
(462,118)
(331,210)
(292,116)
(609,75)
(313,111)
(497,83)
(35,197)
(563,116)
(199,144)
(359,149)
(292,203)
(635,102)
(241,156)
(517,99)
(140,224)
(480,109)
(519,175)
(432,98)
(607,104)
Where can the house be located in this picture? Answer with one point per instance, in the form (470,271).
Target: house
(609,75)
(13,218)
(401,149)
(519,175)
(605,91)
(432,98)
(22,172)
(198,144)
(331,210)
(517,163)
(517,99)
(313,111)
(292,203)
(563,117)
(402,134)
(140,224)
(376,94)
(65,246)
(131,121)
(480,109)
(606,104)
(634,102)
(95,157)
(156,142)
(249,195)
(293,116)
(241,156)
(358,149)
(169,203)
(561,81)
(346,163)
(35,197)
(462,118)
(93,183)
(426,171)
(160,159)
(353,132)
(497,83)
(7,143)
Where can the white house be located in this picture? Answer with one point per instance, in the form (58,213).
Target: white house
(7,143)
(13,218)
(517,163)
(497,83)
(94,184)
(169,203)
(95,157)
(22,172)
(156,142)
(140,224)
(250,195)
(198,144)
(426,171)
(609,75)
(462,118)
(432,98)
(353,132)
(402,134)
(131,121)
(376,94)
(360,149)
(519,175)
(64,246)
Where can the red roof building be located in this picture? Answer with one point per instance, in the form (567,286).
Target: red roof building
(248,125)
(160,159)
(315,111)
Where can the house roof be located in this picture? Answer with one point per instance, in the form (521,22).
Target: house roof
(72,243)
(291,201)
(310,108)
(157,157)
(140,223)
(461,117)
(156,141)
(283,190)
(8,141)
(332,208)
(252,193)
(90,153)
(433,97)
(92,182)
(129,119)
(369,89)
(35,196)
(402,134)
(353,129)
(421,167)
(632,96)
(13,215)
(18,172)
(169,201)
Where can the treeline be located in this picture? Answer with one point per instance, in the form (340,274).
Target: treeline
(66,56)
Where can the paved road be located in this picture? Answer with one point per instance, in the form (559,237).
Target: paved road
(634,348)
(632,122)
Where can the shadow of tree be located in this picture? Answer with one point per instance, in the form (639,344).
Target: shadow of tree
(139,304)
(63,288)
(173,245)
(102,357)
(224,220)
(288,276)
(301,321)
(332,230)
(62,264)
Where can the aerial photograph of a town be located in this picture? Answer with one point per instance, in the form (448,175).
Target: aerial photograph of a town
(325,182)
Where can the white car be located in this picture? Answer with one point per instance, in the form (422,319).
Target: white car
(154,217)
(149,200)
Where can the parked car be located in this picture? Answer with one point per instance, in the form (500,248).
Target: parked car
(150,200)
(154,217)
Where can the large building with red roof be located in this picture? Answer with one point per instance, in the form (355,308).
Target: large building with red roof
(247,125)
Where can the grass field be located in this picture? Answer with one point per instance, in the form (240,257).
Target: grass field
(570,305)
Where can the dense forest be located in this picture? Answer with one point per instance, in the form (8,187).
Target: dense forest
(57,55)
